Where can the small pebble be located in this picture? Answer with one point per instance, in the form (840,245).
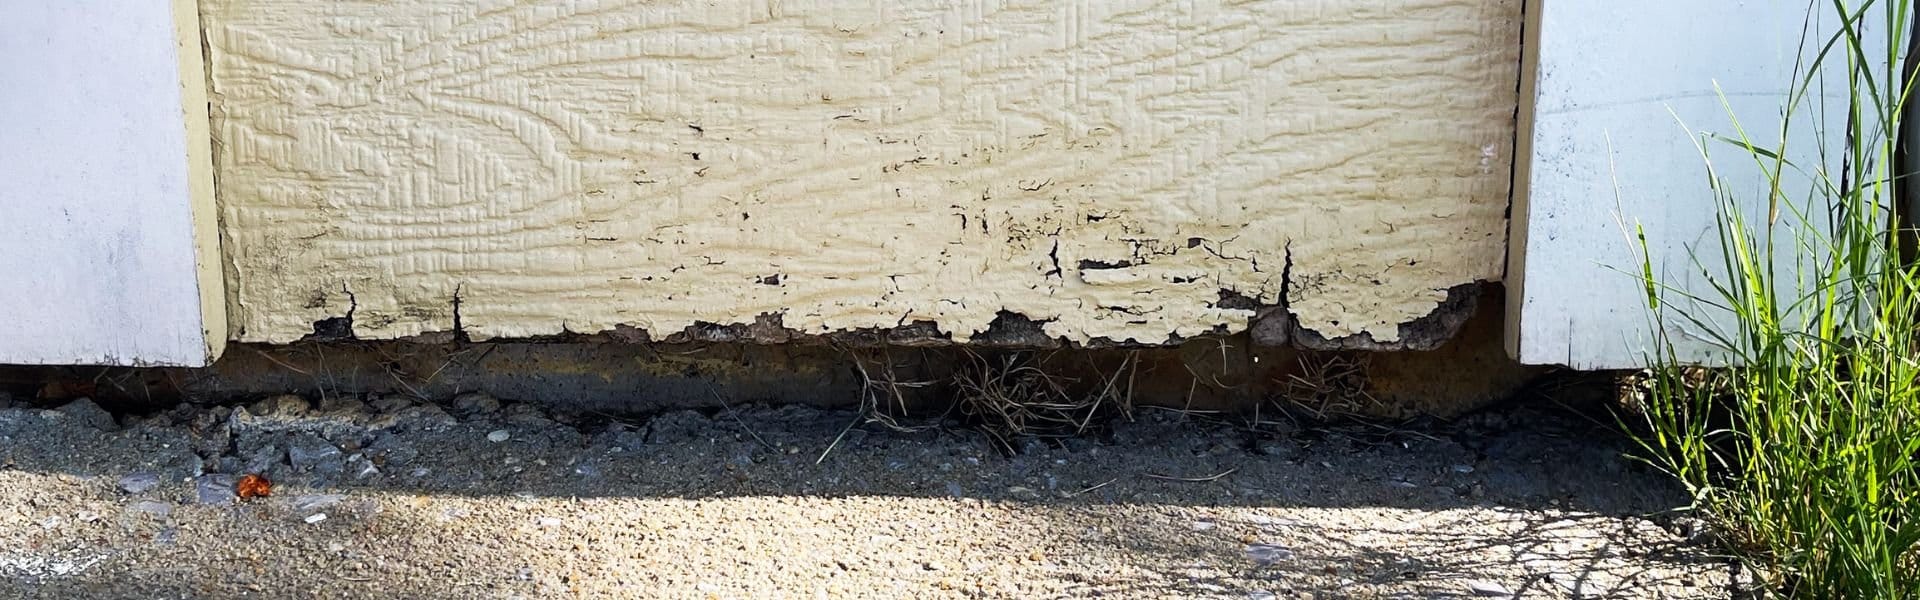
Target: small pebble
(309,452)
(499,435)
(423,416)
(214,489)
(1488,589)
(1267,521)
(315,518)
(139,483)
(526,415)
(316,501)
(283,406)
(1261,595)
(391,403)
(152,507)
(1463,469)
(339,406)
(1268,554)
(1576,587)
(476,403)
(85,412)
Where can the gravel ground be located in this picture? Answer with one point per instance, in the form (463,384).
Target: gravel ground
(394,499)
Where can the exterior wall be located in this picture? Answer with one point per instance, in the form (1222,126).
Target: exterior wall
(1615,146)
(106,187)
(1110,170)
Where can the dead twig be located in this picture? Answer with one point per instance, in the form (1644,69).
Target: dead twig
(836,440)
(872,408)
(1330,386)
(1019,394)
(736,419)
(282,364)
(1095,487)
(876,410)
(1192,479)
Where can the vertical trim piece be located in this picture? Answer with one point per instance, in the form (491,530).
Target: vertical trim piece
(1517,211)
(200,188)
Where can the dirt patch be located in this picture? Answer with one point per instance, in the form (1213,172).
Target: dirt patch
(387,497)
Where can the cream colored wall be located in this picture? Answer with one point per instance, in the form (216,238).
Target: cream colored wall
(572,166)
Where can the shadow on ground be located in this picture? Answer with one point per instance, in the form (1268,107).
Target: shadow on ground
(750,502)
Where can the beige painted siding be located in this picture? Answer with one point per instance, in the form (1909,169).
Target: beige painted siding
(1106,167)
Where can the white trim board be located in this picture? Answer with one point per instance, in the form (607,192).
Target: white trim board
(1615,94)
(110,254)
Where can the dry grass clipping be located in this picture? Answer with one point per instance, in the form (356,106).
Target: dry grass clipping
(1330,386)
(1008,395)
(883,399)
(1019,394)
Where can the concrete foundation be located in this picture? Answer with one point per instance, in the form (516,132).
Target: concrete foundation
(708,367)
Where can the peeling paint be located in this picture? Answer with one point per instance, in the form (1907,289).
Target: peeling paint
(1090,173)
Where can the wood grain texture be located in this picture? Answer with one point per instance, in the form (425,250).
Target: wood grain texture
(1109,168)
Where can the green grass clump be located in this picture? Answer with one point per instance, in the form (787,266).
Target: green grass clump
(1805,454)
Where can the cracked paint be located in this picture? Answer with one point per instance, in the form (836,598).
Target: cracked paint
(1103,170)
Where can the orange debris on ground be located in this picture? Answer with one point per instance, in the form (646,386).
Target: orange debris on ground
(253,486)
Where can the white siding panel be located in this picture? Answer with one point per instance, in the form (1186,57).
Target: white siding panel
(108,251)
(1620,92)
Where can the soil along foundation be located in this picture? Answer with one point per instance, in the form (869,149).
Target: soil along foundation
(602,374)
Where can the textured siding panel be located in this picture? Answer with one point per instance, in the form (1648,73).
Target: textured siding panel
(1107,168)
